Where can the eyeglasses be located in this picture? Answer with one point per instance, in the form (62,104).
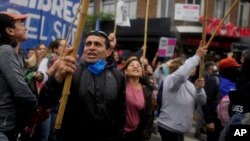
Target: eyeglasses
(97,32)
(244,53)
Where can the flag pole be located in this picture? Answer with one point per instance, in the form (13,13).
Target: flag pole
(70,29)
(213,35)
(68,79)
(203,40)
(145,32)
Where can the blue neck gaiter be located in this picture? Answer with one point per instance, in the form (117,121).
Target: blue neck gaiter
(97,67)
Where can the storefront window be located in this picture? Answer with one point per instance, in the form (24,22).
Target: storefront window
(221,7)
(199,2)
(91,8)
(194,1)
(243,14)
(132,6)
(108,6)
(163,8)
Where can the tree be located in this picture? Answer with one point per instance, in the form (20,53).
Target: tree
(91,20)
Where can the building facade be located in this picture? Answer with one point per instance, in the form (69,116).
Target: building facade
(165,8)
(188,33)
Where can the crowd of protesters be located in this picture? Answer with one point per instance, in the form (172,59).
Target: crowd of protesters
(114,99)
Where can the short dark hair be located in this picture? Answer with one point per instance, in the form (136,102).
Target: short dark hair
(209,64)
(129,60)
(100,34)
(5,38)
(8,20)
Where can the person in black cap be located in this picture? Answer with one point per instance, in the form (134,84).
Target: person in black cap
(16,98)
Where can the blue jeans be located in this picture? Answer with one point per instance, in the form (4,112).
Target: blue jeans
(53,113)
(44,130)
(3,137)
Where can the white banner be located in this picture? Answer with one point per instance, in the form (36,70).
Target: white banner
(187,12)
(122,14)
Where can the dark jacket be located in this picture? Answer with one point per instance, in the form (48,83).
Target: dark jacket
(146,115)
(16,99)
(95,108)
(213,98)
(239,100)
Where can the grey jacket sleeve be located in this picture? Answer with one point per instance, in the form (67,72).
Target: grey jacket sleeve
(12,72)
(201,98)
(182,73)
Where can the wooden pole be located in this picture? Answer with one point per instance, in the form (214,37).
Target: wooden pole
(115,29)
(145,32)
(203,40)
(221,22)
(68,79)
(154,59)
(70,29)
(115,26)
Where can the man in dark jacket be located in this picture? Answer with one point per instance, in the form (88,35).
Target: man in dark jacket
(16,98)
(96,107)
(213,123)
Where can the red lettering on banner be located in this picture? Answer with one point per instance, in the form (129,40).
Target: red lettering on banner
(190,6)
(196,42)
(228,29)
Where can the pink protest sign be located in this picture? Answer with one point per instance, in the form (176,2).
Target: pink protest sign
(166,47)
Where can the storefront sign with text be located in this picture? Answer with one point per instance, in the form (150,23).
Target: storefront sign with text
(218,44)
(228,29)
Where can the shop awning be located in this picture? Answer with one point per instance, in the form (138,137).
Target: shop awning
(189,29)
(157,28)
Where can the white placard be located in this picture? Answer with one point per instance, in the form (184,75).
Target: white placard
(187,12)
(166,47)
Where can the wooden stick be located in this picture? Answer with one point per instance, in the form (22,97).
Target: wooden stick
(203,40)
(154,59)
(221,22)
(68,79)
(145,33)
(115,29)
(115,26)
(70,29)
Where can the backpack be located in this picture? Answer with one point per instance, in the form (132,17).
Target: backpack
(222,110)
